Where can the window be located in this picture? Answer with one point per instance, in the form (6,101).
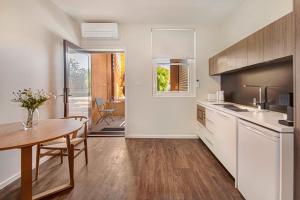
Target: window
(173,62)
(173,77)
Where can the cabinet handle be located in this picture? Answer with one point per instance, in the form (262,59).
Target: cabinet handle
(210,121)
(223,115)
(210,110)
(259,132)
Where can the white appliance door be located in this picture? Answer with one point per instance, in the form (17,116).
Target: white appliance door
(258,162)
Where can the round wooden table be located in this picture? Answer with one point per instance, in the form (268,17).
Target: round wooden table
(13,136)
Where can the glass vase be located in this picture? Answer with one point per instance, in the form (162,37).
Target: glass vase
(31,119)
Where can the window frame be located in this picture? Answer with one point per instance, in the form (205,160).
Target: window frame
(191,64)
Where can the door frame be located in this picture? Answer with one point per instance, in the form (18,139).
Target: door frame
(96,50)
(116,50)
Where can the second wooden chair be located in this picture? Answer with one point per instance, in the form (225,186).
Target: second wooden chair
(58,147)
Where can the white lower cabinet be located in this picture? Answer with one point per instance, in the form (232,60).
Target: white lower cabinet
(220,136)
(258,162)
(206,136)
(225,141)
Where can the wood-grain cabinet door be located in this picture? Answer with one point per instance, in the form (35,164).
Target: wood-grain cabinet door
(278,38)
(221,62)
(218,64)
(290,34)
(241,54)
(213,68)
(231,58)
(255,48)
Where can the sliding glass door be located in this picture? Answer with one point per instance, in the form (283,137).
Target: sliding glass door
(77,82)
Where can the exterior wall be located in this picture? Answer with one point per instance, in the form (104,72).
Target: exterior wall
(101,80)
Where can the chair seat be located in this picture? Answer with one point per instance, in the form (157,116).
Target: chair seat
(60,140)
(62,143)
(108,110)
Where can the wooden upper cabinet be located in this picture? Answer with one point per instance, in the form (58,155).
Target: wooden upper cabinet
(241,54)
(222,62)
(217,64)
(236,56)
(273,42)
(290,18)
(213,68)
(231,58)
(278,38)
(255,48)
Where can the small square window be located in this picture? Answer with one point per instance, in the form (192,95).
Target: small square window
(172,77)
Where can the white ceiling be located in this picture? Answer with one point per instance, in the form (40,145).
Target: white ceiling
(150,11)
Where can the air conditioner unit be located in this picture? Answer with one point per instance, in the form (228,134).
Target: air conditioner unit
(99,30)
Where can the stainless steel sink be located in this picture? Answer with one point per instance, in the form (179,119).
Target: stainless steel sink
(232,107)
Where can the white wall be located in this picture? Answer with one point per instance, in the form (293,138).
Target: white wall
(251,16)
(151,116)
(31,55)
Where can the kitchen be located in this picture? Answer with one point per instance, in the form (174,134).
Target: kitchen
(211,109)
(248,124)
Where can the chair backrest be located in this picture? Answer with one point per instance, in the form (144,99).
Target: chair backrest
(83,130)
(100,101)
(77,117)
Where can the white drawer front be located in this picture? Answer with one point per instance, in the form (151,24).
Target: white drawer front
(209,114)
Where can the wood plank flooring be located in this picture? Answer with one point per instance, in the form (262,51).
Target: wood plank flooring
(138,169)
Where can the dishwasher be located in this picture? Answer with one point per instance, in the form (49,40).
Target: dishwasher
(258,162)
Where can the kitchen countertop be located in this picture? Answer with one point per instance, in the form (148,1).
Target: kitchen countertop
(268,119)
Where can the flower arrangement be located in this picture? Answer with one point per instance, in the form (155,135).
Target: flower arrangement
(30,100)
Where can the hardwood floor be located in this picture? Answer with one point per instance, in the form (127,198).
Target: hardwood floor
(138,169)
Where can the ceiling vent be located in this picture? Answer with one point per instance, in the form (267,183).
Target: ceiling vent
(99,30)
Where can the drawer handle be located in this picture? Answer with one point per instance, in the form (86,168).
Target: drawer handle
(258,132)
(210,110)
(222,115)
(210,121)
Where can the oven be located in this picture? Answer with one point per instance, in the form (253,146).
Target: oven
(201,114)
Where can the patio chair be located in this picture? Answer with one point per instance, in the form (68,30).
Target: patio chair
(104,113)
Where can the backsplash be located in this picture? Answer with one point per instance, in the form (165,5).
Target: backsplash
(277,77)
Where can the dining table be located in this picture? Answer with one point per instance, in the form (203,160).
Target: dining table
(13,136)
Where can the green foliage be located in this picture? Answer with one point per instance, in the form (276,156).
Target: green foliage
(163,78)
(79,76)
(30,99)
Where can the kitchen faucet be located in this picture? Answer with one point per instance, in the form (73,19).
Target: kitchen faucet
(259,104)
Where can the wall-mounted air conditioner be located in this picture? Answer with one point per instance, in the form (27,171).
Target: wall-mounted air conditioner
(99,30)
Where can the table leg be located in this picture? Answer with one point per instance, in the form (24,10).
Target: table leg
(26,173)
(70,160)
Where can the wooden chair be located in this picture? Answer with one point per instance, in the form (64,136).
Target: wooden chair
(104,113)
(58,147)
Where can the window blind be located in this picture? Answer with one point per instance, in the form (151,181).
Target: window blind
(173,43)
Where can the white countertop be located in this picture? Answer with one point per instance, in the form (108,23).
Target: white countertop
(268,119)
